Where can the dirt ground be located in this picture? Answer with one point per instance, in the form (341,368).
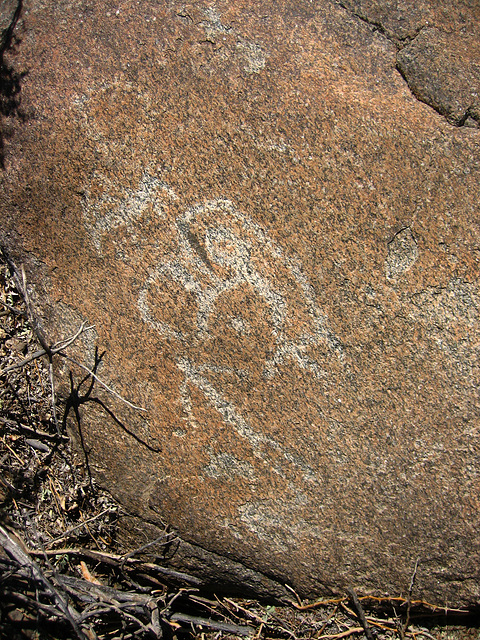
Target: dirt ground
(62,573)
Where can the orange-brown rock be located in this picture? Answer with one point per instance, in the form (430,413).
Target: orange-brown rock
(278,245)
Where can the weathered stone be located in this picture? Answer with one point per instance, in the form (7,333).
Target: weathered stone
(439,50)
(402,20)
(442,70)
(278,246)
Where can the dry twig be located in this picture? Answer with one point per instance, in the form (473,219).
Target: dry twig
(57,348)
(360,613)
(15,551)
(409,598)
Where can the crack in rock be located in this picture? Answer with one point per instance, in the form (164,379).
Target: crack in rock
(441,71)
(438,52)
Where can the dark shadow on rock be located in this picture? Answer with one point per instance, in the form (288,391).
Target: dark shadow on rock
(187,565)
(10,80)
(76,399)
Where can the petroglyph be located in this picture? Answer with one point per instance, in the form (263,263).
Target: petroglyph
(226,409)
(226,465)
(402,254)
(111,210)
(222,273)
(251,54)
(221,255)
(221,250)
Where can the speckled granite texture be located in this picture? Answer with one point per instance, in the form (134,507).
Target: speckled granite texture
(278,245)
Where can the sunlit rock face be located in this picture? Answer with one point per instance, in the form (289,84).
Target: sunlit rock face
(278,245)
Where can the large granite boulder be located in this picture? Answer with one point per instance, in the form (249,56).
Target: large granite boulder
(278,245)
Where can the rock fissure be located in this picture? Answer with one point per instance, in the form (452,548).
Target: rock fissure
(436,71)
(431,57)
(376,25)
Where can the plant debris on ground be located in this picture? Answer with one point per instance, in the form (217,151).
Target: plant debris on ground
(61,572)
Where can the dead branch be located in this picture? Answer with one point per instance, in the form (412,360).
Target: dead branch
(30,603)
(360,613)
(248,613)
(15,551)
(120,562)
(67,533)
(208,623)
(90,592)
(29,431)
(51,351)
(12,309)
(409,598)
(56,348)
(22,285)
(317,603)
(168,537)
(105,386)
(344,634)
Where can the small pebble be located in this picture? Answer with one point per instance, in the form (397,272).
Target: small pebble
(16,345)
(36,444)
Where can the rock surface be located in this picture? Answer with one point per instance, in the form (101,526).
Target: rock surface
(439,50)
(278,245)
(442,70)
